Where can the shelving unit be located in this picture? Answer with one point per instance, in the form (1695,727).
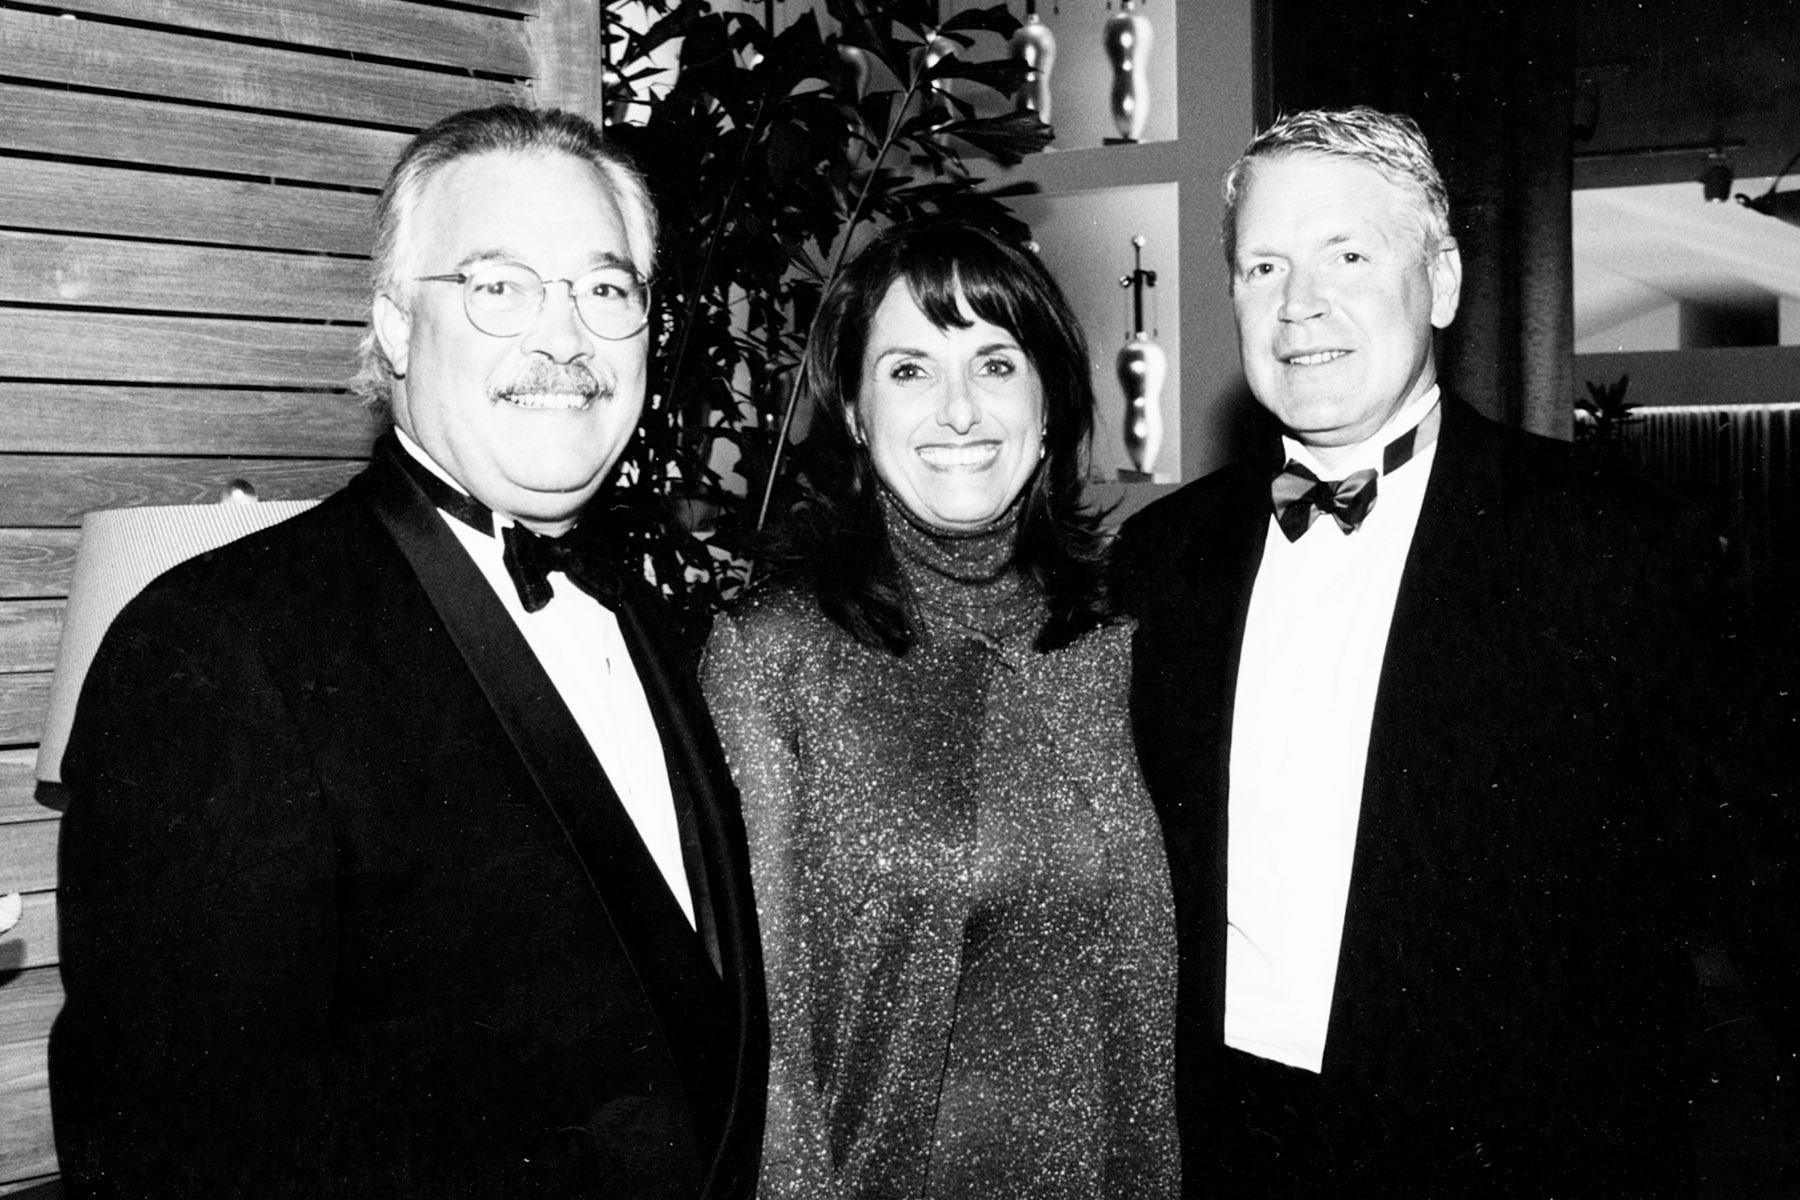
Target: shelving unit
(1094,198)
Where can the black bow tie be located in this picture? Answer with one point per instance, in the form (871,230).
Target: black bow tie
(1300,496)
(583,554)
(530,557)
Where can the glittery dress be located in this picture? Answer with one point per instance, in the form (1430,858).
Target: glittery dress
(964,901)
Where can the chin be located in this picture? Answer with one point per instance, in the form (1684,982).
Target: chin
(550,495)
(968,517)
(557,464)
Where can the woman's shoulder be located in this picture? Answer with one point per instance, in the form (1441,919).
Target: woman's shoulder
(773,621)
(775,609)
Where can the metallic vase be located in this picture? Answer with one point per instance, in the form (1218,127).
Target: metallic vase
(1143,367)
(1127,40)
(1035,46)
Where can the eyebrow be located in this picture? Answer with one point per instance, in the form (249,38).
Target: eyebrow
(914,352)
(595,260)
(1252,250)
(900,351)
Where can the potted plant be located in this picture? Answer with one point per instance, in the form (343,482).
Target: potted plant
(772,157)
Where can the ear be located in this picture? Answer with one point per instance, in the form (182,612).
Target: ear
(854,426)
(393,329)
(1445,269)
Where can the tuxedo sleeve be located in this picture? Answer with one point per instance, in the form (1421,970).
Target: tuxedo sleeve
(196,921)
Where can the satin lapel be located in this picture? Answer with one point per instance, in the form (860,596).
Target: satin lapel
(654,655)
(718,869)
(1441,713)
(671,964)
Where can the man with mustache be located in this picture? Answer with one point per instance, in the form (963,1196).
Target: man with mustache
(1423,703)
(401,858)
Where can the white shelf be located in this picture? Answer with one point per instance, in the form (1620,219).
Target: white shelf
(1094,168)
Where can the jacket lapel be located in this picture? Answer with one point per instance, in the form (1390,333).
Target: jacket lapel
(718,873)
(673,968)
(1439,725)
(1455,569)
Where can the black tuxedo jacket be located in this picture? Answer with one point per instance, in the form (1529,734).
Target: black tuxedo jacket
(1505,1018)
(349,908)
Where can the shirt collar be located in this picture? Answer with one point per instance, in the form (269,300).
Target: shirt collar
(498,522)
(1367,454)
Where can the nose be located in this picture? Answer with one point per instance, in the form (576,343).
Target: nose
(557,332)
(956,405)
(1301,297)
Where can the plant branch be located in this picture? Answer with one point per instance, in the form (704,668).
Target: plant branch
(895,121)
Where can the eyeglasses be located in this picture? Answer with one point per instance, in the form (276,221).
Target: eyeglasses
(504,299)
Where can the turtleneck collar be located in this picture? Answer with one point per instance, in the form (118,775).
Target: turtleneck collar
(963,581)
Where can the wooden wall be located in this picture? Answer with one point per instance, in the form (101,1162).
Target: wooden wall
(185,197)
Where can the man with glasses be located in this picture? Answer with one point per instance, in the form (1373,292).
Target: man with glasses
(401,858)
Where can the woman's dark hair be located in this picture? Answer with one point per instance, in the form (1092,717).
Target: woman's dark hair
(835,539)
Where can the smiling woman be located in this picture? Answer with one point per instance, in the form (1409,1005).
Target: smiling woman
(962,887)
(952,413)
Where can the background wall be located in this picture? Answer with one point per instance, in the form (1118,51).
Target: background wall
(185,198)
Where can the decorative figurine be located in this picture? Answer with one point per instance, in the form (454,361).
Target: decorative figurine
(1143,366)
(1127,39)
(1035,46)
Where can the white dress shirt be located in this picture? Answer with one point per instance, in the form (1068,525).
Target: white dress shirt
(1313,645)
(578,643)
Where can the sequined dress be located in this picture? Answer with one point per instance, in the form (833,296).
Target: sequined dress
(965,907)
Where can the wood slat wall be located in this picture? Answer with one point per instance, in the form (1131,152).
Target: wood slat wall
(90,125)
(174,66)
(186,188)
(93,272)
(80,198)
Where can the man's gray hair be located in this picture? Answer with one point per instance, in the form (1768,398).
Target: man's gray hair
(1391,143)
(504,128)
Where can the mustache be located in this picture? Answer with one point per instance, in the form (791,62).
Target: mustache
(553,377)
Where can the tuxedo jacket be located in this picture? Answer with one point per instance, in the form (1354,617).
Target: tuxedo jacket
(349,908)
(1506,1012)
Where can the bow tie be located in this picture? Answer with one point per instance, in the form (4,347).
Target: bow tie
(583,554)
(1300,496)
(530,557)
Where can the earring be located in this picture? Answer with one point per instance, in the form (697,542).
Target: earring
(1041,435)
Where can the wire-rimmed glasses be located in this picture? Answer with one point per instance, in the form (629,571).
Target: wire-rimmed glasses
(503,299)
